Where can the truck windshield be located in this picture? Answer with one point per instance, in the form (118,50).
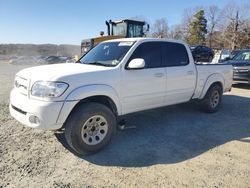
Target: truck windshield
(106,54)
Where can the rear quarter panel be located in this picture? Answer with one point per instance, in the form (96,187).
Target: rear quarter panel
(207,74)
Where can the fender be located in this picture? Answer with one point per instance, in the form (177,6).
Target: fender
(86,91)
(210,80)
(83,92)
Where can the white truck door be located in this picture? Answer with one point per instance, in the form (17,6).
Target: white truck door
(181,74)
(144,88)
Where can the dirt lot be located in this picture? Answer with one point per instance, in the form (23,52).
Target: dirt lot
(177,146)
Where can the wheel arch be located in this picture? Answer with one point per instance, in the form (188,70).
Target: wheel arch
(212,80)
(97,92)
(102,94)
(101,99)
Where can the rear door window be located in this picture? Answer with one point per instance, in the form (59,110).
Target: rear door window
(174,54)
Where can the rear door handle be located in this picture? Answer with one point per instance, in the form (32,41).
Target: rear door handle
(158,75)
(190,72)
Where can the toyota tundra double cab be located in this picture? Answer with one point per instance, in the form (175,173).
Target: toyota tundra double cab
(115,78)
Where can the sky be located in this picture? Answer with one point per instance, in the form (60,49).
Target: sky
(70,21)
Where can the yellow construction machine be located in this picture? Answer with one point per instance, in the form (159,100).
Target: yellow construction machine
(117,29)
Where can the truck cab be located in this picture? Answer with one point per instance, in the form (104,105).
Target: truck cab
(126,28)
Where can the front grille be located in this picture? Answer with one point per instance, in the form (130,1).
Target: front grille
(19,110)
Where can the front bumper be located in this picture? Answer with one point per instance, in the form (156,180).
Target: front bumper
(241,76)
(47,114)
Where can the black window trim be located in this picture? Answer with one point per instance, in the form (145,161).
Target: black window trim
(162,56)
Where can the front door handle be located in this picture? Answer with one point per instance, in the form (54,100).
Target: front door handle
(190,72)
(158,75)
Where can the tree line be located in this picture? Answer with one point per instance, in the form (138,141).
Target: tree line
(217,28)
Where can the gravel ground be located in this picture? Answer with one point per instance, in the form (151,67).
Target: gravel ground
(177,146)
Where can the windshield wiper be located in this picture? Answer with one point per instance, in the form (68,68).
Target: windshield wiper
(98,63)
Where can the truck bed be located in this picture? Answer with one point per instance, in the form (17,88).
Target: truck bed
(205,71)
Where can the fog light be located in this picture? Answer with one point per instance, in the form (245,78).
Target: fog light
(34,119)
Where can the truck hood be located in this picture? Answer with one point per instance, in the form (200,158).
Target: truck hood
(238,63)
(56,71)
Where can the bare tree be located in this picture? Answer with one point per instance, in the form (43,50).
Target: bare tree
(160,28)
(176,32)
(235,18)
(228,27)
(213,18)
(181,31)
(244,35)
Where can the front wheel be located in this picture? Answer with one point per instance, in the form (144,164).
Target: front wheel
(89,128)
(212,100)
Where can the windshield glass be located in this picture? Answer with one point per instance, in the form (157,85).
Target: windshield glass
(107,54)
(120,29)
(135,30)
(242,56)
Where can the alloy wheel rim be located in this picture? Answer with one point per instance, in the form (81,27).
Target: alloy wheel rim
(94,130)
(215,98)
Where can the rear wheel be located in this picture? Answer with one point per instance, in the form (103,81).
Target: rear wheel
(90,128)
(212,99)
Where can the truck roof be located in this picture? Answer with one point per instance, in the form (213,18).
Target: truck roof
(129,20)
(144,39)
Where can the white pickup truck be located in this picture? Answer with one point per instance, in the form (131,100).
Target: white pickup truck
(115,78)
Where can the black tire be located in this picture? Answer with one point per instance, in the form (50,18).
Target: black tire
(80,118)
(212,100)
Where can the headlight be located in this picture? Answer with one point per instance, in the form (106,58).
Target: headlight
(48,89)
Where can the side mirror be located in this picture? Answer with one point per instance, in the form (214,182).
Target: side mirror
(137,63)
